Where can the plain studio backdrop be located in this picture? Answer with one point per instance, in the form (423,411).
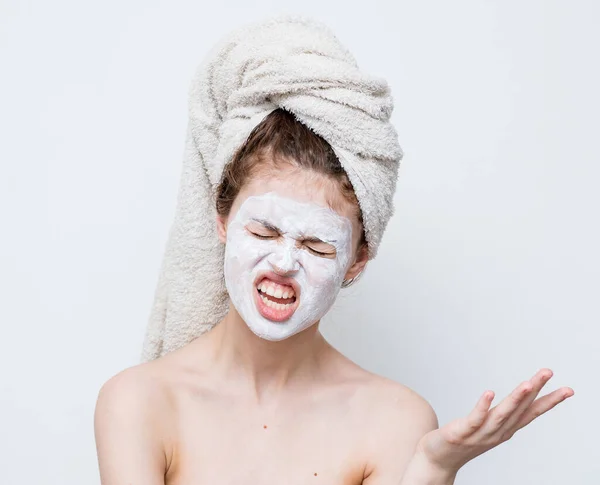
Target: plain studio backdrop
(488,271)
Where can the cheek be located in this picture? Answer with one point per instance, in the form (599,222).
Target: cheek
(243,252)
(321,272)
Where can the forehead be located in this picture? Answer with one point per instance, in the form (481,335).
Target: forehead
(300,184)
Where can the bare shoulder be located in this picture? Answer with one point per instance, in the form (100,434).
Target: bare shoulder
(387,400)
(131,425)
(395,418)
(132,387)
(398,403)
(154,382)
(401,417)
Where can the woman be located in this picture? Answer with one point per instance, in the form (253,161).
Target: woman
(261,397)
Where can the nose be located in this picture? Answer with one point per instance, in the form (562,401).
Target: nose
(285,261)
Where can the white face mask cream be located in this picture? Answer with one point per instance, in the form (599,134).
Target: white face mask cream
(285,261)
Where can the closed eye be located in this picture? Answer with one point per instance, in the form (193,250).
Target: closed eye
(318,253)
(261,236)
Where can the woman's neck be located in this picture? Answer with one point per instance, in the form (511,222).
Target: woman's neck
(266,366)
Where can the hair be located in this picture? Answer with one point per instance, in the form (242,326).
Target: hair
(281,138)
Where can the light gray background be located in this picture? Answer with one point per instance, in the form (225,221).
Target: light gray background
(488,271)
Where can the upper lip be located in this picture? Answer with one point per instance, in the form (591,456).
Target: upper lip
(282,280)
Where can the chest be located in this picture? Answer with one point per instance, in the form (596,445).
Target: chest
(227,445)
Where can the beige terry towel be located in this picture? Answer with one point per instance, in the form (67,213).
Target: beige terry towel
(289,61)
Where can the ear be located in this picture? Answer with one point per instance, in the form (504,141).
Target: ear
(222,228)
(359,264)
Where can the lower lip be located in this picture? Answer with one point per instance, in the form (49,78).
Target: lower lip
(273,314)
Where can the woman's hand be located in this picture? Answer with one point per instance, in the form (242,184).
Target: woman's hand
(451,446)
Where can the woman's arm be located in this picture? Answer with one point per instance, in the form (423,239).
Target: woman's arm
(441,452)
(128,434)
(458,442)
(421,472)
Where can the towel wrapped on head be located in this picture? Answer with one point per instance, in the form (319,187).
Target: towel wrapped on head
(287,61)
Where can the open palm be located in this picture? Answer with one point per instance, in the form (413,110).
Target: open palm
(461,440)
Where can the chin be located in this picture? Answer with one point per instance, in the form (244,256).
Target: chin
(273,332)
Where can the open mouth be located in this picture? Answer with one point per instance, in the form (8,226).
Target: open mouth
(274,300)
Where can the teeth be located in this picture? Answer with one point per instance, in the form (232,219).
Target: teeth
(276,306)
(273,289)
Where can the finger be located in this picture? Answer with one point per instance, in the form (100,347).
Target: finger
(538,381)
(499,414)
(544,404)
(478,415)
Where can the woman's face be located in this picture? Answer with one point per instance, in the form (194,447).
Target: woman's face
(287,251)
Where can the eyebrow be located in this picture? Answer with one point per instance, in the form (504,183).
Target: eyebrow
(271,227)
(267,225)
(317,240)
